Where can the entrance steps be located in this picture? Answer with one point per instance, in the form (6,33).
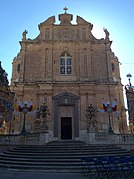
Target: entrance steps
(57,156)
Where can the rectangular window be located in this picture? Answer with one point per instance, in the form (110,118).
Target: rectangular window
(68,70)
(62,61)
(65,65)
(62,70)
(68,61)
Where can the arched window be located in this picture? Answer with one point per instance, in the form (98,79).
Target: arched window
(65,64)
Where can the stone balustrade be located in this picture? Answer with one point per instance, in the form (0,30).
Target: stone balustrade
(32,138)
(114,138)
(91,138)
(27,139)
(125,138)
(105,138)
(10,139)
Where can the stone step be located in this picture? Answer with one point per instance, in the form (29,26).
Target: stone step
(76,156)
(59,169)
(66,148)
(64,153)
(60,156)
(66,142)
(41,163)
(85,148)
(3,158)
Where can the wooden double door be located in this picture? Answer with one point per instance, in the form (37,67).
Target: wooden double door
(66,128)
(66,116)
(66,122)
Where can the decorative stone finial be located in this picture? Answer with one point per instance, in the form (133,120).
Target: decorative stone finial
(65,9)
(65,18)
(24,35)
(106,34)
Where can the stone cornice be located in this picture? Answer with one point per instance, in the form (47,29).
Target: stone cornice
(42,83)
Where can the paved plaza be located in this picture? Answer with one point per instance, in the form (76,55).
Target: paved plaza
(6,174)
(10,174)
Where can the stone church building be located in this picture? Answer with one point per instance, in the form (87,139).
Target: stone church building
(68,69)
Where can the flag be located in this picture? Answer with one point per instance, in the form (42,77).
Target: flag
(21,106)
(30,107)
(15,107)
(118,111)
(104,103)
(118,108)
(114,105)
(102,106)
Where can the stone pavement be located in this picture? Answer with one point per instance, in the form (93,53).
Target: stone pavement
(6,174)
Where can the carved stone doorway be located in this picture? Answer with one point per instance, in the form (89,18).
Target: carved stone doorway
(66,116)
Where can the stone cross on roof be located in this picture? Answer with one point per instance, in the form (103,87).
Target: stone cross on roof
(65,9)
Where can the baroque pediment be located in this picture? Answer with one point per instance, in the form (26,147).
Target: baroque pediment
(66,98)
(66,30)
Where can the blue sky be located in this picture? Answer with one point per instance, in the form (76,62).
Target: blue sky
(115,15)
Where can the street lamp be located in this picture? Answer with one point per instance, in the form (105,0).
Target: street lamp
(129,76)
(109,111)
(25,110)
(130,102)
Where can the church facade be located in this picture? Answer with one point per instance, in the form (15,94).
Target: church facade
(68,69)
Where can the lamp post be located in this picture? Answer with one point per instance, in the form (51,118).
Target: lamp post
(109,108)
(129,76)
(109,111)
(130,102)
(25,110)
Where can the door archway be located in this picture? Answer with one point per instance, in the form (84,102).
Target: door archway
(66,116)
